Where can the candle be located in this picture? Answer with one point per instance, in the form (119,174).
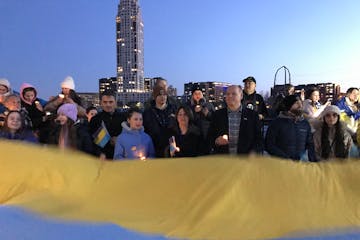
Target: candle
(226,137)
(141,155)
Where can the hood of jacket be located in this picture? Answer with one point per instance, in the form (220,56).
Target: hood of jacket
(318,124)
(24,86)
(285,114)
(127,129)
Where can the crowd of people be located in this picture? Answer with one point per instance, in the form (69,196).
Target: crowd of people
(300,129)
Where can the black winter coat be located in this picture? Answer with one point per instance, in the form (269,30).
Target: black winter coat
(113,126)
(191,144)
(200,120)
(34,114)
(82,138)
(159,124)
(255,102)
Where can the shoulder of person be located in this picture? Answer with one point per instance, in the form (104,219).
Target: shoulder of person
(220,113)
(259,97)
(119,113)
(317,124)
(193,129)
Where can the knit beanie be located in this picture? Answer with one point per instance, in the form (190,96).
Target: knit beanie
(331,109)
(159,90)
(68,83)
(289,101)
(68,109)
(196,87)
(5,82)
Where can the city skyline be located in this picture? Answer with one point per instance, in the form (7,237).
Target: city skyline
(42,42)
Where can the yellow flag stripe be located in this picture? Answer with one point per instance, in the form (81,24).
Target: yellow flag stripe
(214,197)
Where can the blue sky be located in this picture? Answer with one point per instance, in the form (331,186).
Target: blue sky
(43,41)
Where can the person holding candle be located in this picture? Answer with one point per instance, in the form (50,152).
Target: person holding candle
(235,129)
(67,95)
(133,142)
(186,140)
(32,104)
(201,109)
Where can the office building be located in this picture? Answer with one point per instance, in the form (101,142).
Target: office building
(214,92)
(130,51)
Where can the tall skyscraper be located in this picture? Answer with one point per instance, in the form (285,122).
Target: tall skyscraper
(130,50)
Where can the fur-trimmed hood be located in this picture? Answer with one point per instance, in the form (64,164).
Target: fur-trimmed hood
(318,124)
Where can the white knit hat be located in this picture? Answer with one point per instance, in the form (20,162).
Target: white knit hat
(331,108)
(68,83)
(5,82)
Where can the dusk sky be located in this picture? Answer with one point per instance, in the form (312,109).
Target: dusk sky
(43,41)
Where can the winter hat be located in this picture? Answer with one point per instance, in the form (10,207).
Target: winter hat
(5,82)
(289,101)
(68,109)
(68,83)
(331,109)
(25,87)
(159,90)
(196,87)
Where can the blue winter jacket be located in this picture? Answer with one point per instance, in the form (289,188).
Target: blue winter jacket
(133,144)
(289,138)
(344,107)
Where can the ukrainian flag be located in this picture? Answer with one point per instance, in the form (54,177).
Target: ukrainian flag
(49,194)
(101,136)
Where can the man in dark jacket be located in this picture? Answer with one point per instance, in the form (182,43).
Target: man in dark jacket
(112,120)
(289,135)
(252,100)
(235,130)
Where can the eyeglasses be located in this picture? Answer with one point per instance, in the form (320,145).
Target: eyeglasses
(331,115)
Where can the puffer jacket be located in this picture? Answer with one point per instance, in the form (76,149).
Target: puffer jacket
(289,137)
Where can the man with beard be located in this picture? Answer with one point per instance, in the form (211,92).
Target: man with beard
(289,135)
